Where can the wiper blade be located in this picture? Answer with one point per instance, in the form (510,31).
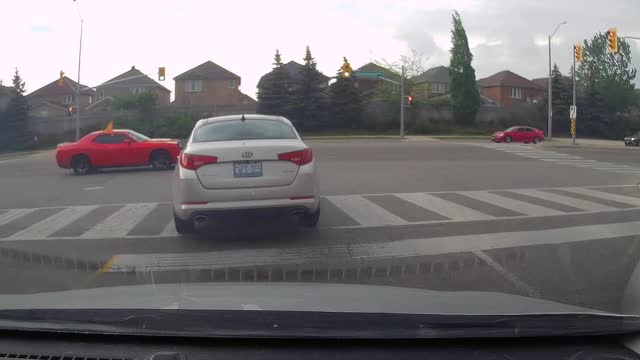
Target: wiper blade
(302,324)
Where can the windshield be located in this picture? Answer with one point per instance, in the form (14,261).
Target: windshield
(138,136)
(243,130)
(336,156)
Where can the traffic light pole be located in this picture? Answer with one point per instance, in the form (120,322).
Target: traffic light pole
(549,113)
(573,77)
(402,104)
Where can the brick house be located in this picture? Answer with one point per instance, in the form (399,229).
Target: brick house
(506,89)
(370,87)
(209,84)
(6,92)
(62,96)
(294,72)
(132,81)
(431,83)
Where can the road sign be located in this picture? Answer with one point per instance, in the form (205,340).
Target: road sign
(572,111)
(369,74)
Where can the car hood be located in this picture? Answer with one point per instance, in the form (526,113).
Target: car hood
(289,297)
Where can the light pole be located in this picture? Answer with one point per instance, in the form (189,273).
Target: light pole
(549,115)
(78,85)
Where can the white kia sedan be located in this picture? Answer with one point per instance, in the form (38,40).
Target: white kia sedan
(244,162)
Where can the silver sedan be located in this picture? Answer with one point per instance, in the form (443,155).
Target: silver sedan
(244,162)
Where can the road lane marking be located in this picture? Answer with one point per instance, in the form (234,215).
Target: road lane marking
(94,188)
(120,222)
(576,203)
(357,252)
(50,225)
(170,229)
(443,207)
(519,284)
(364,211)
(251,307)
(607,196)
(14,214)
(511,204)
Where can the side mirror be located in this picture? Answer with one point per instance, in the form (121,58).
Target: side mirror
(182,143)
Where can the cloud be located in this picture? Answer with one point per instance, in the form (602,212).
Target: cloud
(41,28)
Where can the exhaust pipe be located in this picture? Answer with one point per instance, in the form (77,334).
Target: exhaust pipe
(200,218)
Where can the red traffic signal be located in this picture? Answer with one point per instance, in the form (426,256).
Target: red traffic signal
(409,99)
(70,111)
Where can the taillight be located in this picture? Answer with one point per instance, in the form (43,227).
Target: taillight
(193,162)
(300,157)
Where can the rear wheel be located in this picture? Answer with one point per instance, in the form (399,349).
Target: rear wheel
(309,220)
(81,165)
(507,139)
(184,226)
(160,160)
(536,140)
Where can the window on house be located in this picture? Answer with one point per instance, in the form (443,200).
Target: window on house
(438,88)
(193,85)
(516,93)
(137,90)
(232,84)
(68,99)
(100,94)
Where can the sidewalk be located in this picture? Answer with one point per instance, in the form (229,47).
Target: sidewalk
(590,143)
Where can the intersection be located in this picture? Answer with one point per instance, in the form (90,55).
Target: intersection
(433,214)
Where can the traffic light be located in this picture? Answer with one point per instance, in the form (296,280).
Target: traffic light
(577,52)
(161,73)
(70,111)
(61,80)
(612,40)
(409,99)
(345,70)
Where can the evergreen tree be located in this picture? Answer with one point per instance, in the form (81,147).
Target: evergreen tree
(274,98)
(464,91)
(345,100)
(15,126)
(310,99)
(561,88)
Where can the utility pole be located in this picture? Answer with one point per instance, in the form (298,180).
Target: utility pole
(550,110)
(402,104)
(78,87)
(573,120)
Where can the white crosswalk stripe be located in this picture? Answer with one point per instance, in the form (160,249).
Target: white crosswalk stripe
(122,221)
(364,211)
(445,208)
(559,158)
(53,223)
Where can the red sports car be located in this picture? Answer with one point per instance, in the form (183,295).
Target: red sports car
(118,148)
(518,133)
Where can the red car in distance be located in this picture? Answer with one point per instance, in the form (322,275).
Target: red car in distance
(119,148)
(520,134)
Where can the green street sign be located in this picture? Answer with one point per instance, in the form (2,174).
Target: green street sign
(369,74)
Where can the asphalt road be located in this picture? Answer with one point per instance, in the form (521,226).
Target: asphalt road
(557,223)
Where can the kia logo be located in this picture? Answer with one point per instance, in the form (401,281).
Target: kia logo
(247,154)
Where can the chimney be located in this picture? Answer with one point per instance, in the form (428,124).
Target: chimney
(133,67)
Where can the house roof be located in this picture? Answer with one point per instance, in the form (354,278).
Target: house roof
(507,78)
(207,70)
(542,82)
(435,74)
(131,78)
(68,88)
(388,73)
(293,69)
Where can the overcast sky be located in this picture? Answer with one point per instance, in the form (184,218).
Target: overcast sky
(40,37)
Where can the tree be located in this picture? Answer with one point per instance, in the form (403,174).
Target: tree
(561,88)
(464,92)
(274,97)
(611,74)
(310,100)
(345,101)
(16,126)
(414,64)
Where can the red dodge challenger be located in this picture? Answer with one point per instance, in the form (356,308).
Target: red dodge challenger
(118,148)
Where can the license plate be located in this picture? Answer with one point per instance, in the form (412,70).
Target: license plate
(247,169)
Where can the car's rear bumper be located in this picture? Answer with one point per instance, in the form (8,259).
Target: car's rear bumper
(190,198)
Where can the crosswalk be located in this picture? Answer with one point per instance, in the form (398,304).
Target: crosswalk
(534,152)
(343,211)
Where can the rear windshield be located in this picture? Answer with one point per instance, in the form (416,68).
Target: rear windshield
(244,130)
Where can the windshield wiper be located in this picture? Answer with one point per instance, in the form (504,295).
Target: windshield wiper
(293,324)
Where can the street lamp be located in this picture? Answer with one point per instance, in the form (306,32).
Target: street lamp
(549,115)
(78,85)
